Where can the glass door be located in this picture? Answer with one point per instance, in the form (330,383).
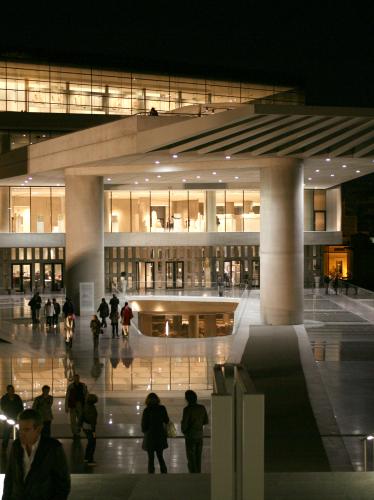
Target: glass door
(21,277)
(47,278)
(174,274)
(232,272)
(149,275)
(16,277)
(52,277)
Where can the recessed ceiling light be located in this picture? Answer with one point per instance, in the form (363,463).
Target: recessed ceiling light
(136,182)
(159,176)
(30,142)
(26,182)
(23,135)
(157,162)
(30,178)
(358,171)
(109,179)
(344,166)
(22,184)
(228,157)
(43,135)
(309,178)
(317,170)
(57,184)
(214,173)
(332,175)
(175,156)
(236,177)
(146,179)
(220,180)
(328,159)
(198,177)
(184,180)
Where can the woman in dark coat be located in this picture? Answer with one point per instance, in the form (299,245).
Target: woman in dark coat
(154,420)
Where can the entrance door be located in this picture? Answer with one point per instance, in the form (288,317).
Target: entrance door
(52,276)
(232,272)
(21,277)
(174,274)
(146,275)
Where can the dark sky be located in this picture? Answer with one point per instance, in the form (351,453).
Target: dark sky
(328,49)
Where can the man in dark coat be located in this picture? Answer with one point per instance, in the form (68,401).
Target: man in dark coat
(37,467)
(103,311)
(11,405)
(193,421)
(35,305)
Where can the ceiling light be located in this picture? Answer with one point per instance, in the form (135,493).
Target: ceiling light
(22,184)
(26,182)
(30,178)
(184,180)
(220,180)
(30,142)
(236,177)
(157,162)
(44,135)
(332,175)
(136,182)
(328,159)
(109,179)
(57,184)
(23,135)
(198,177)
(159,176)
(344,166)
(228,157)
(214,173)
(175,156)
(358,171)
(309,178)
(317,170)
(146,180)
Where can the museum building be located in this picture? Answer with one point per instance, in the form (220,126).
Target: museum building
(93,189)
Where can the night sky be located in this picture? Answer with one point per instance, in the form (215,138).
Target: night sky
(328,50)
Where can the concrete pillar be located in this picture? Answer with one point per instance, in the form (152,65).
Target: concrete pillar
(210,325)
(84,235)
(211,214)
(333,209)
(282,243)
(193,326)
(4,209)
(308,210)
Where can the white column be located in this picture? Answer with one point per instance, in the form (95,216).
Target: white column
(282,243)
(84,235)
(4,209)
(211,214)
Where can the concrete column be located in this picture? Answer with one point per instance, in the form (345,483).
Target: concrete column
(84,235)
(282,243)
(211,214)
(210,325)
(193,326)
(4,209)
(308,210)
(333,209)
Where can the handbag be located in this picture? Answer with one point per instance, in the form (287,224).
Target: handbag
(171,431)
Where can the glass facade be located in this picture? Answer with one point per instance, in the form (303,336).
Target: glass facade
(40,88)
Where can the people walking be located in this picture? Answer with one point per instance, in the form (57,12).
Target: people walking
(103,311)
(74,402)
(69,330)
(194,418)
(37,467)
(114,318)
(43,404)
(89,419)
(335,283)
(154,420)
(326,283)
(153,112)
(114,303)
(11,405)
(95,326)
(68,307)
(35,304)
(57,311)
(126,317)
(49,312)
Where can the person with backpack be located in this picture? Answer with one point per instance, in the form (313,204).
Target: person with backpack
(103,311)
(126,317)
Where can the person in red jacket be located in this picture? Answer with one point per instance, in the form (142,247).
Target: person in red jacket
(126,317)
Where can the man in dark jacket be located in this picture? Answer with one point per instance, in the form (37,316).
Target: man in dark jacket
(35,305)
(74,402)
(11,406)
(194,418)
(68,307)
(37,468)
(103,311)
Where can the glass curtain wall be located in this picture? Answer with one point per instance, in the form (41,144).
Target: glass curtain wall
(41,88)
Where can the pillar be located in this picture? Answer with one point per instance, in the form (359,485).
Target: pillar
(193,326)
(211,214)
(84,258)
(282,243)
(4,209)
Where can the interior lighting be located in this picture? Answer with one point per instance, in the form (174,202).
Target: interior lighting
(2,418)
(309,178)
(236,177)
(214,173)
(175,156)
(10,421)
(136,182)
(219,180)
(23,135)
(198,177)
(370,437)
(26,182)
(30,178)
(228,157)
(317,170)
(43,135)
(344,166)
(332,175)
(328,159)
(358,171)
(157,162)
(184,180)
(159,176)
(109,179)
(146,179)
